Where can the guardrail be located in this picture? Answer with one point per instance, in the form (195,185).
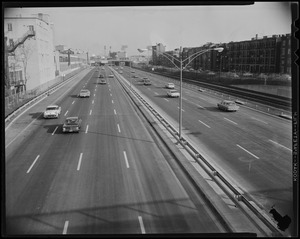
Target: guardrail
(210,169)
(45,93)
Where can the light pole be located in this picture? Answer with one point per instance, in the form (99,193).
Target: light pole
(190,58)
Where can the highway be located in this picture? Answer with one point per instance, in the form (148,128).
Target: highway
(253,149)
(112,177)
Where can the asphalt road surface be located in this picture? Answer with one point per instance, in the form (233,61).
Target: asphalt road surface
(111,177)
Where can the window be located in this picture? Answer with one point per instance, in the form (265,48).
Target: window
(31,27)
(9,26)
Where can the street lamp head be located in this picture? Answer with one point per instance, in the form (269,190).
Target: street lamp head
(219,49)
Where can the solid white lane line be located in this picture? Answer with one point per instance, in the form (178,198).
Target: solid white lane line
(166,99)
(142,225)
(73,102)
(181,109)
(87,127)
(248,151)
(280,145)
(66,227)
(66,113)
(125,156)
(201,106)
(115,112)
(55,130)
(33,164)
(119,129)
(259,120)
(204,124)
(112,101)
(93,102)
(79,162)
(230,121)
(90,112)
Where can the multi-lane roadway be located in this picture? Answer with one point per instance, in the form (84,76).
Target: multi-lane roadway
(111,177)
(253,149)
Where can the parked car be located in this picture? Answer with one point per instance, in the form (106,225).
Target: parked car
(52,111)
(72,124)
(110,76)
(147,82)
(173,93)
(228,105)
(170,86)
(84,93)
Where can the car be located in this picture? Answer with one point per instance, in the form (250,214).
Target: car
(132,71)
(72,124)
(228,105)
(170,86)
(134,76)
(110,76)
(173,93)
(147,82)
(121,72)
(101,76)
(52,111)
(84,93)
(102,82)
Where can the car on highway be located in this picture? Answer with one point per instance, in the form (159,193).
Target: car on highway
(102,82)
(173,93)
(84,93)
(121,72)
(72,124)
(110,76)
(132,71)
(170,86)
(101,76)
(147,82)
(52,111)
(134,76)
(228,105)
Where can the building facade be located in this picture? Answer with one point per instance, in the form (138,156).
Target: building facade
(32,63)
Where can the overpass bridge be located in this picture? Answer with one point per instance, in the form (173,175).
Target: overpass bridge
(114,62)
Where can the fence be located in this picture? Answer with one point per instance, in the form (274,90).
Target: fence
(15,101)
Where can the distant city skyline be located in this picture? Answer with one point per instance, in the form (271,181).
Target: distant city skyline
(93,29)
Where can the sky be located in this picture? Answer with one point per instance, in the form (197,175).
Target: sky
(92,28)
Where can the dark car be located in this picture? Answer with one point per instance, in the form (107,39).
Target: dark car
(101,76)
(72,124)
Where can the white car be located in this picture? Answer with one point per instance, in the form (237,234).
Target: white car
(52,111)
(170,86)
(173,93)
(110,76)
(84,93)
(228,105)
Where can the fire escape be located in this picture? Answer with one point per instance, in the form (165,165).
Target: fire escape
(9,49)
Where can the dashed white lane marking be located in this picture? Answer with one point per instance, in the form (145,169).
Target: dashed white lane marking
(95,89)
(125,156)
(181,109)
(112,101)
(93,102)
(87,127)
(280,145)
(79,162)
(115,112)
(110,94)
(230,121)
(66,227)
(73,102)
(259,120)
(204,124)
(156,93)
(119,128)
(94,95)
(142,225)
(66,113)
(33,164)
(248,151)
(166,99)
(55,130)
(91,112)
